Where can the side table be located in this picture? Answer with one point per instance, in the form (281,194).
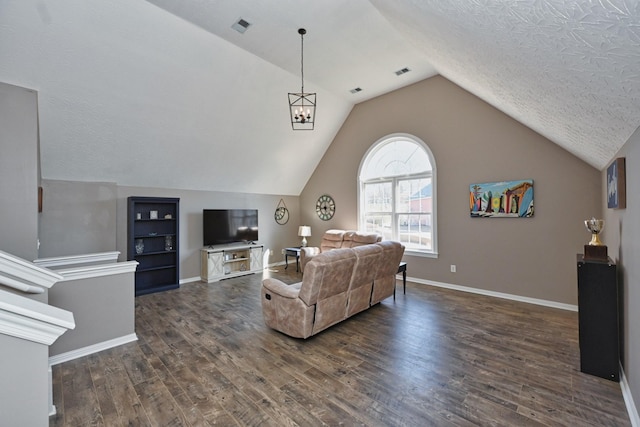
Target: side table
(294,251)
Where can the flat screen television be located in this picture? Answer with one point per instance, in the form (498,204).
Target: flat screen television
(223,226)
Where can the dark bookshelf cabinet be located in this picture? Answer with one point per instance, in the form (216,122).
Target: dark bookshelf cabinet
(152,240)
(598,318)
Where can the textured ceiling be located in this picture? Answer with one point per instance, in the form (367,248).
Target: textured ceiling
(130,91)
(568,69)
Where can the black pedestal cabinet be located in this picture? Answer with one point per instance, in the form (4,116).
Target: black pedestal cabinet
(152,240)
(598,318)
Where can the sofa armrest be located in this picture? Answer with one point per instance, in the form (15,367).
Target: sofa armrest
(277,287)
(306,254)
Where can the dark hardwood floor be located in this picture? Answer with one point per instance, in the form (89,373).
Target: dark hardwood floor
(431,357)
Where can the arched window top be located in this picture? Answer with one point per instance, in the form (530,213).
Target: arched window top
(396,156)
(397,193)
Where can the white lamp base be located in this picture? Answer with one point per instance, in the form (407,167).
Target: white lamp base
(304,242)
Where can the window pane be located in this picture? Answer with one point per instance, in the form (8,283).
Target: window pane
(378,197)
(380,224)
(415,232)
(396,158)
(414,195)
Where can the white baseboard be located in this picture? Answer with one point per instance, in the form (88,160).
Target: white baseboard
(85,351)
(546,303)
(628,399)
(52,407)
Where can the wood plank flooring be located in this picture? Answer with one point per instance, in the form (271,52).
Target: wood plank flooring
(432,357)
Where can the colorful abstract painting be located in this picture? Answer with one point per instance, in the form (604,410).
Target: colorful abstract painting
(507,199)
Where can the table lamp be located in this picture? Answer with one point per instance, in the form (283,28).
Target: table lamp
(304,231)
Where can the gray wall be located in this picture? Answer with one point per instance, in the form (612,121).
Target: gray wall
(472,142)
(103,309)
(24,383)
(77,218)
(19,171)
(622,236)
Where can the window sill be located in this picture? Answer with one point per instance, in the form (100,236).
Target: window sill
(420,254)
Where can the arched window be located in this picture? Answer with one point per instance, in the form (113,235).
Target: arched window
(397,192)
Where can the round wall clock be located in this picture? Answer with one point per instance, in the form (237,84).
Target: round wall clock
(281,215)
(325,207)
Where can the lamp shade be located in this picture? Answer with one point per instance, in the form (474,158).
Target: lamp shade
(304,231)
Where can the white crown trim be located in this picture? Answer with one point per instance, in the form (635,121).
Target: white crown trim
(61,261)
(32,320)
(98,270)
(20,274)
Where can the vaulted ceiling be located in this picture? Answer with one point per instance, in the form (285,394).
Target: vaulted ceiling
(165,93)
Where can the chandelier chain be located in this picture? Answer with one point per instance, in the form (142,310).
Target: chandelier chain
(302,59)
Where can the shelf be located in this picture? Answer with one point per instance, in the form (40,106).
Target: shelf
(173,251)
(140,270)
(236,260)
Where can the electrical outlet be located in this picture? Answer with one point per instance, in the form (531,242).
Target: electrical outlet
(282,251)
(453,268)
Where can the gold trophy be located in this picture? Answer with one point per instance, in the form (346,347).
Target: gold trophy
(595,250)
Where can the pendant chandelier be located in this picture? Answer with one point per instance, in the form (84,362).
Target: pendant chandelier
(302,106)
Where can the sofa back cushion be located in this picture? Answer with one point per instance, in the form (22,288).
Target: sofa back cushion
(368,259)
(332,239)
(353,238)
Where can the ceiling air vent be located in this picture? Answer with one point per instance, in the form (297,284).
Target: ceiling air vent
(241,26)
(356,90)
(401,72)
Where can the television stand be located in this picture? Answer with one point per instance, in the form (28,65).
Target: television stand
(225,262)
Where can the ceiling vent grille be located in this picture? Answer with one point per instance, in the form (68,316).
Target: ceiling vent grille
(241,26)
(356,90)
(403,71)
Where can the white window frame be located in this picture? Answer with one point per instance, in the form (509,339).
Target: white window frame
(433,253)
